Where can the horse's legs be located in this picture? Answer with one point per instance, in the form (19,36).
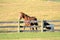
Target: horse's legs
(32,28)
(24,28)
(36,28)
(36,24)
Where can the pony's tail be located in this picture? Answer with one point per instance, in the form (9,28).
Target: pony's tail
(36,22)
(35,19)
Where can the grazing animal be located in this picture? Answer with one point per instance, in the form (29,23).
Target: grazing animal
(28,20)
(45,25)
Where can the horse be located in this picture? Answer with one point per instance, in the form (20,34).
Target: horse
(46,24)
(28,20)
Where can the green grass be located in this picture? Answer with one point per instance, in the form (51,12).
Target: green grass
(30,35)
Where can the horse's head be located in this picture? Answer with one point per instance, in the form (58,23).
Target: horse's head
(21,15)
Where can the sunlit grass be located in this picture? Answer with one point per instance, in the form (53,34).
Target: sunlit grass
(31,36)
(41,9)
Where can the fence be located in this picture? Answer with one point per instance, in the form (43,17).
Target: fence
(19,22)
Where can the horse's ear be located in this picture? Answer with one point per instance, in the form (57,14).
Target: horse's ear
(21,12)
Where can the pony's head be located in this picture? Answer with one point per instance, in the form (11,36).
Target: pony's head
(21,15)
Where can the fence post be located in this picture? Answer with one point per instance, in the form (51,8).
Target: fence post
(18,25)
(41,25)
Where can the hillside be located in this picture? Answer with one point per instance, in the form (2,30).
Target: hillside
(42,9)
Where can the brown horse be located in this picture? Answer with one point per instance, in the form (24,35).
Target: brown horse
(28,20)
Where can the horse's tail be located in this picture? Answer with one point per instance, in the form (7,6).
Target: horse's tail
(35,19)
(36,23)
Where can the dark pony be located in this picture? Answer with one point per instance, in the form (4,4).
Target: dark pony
(28,20)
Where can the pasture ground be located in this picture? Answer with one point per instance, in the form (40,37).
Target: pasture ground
(42,9)
(30,36)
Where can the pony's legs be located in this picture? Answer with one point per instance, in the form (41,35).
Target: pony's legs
(36,28)
(32,28)
(36,24)
(24,28)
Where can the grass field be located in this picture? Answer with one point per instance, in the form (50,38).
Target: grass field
(30,36)
(42,9)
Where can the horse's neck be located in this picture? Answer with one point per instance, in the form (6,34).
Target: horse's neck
(26,18)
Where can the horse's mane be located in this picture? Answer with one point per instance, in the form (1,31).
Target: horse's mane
(23,14)
(27,15)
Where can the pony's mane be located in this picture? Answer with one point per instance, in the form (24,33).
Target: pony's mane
(24,14)
(27,15)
